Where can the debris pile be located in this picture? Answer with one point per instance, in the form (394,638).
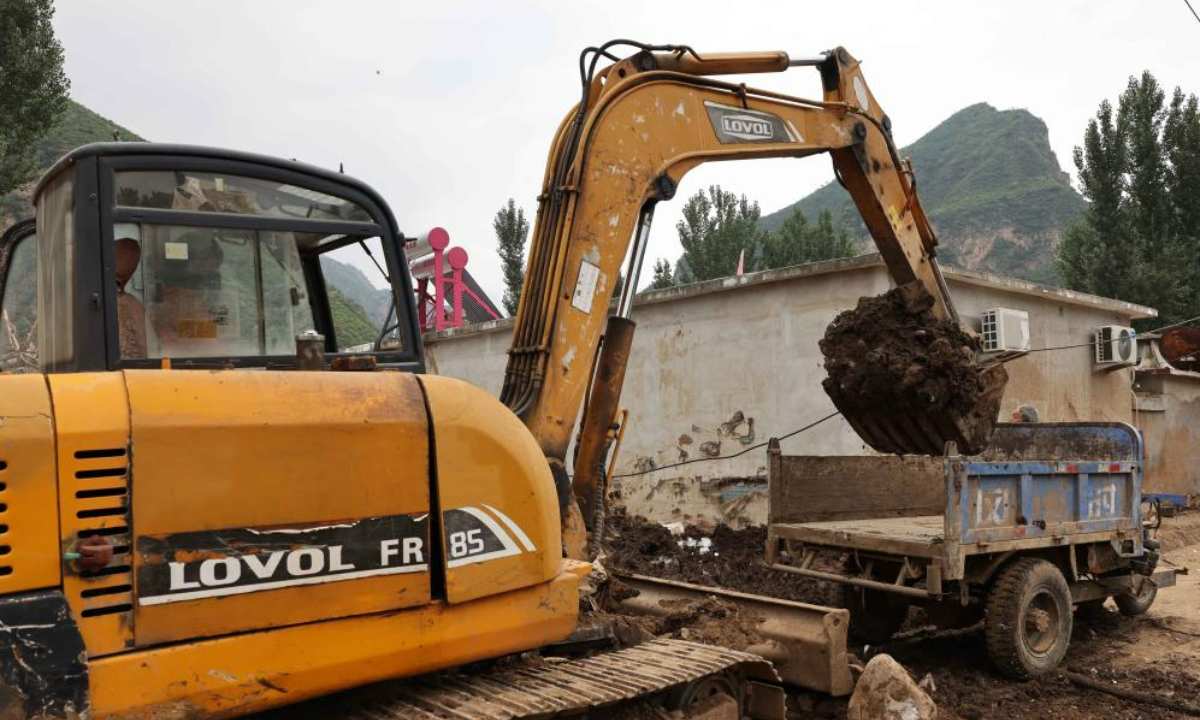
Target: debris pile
(726,558)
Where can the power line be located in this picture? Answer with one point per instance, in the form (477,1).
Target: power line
(1023,353)
(1181,322)
(726,457)
(1192,9)
(835,414)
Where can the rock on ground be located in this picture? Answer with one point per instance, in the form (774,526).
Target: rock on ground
(887,692)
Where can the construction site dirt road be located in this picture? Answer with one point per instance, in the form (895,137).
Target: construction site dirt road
(1157,654)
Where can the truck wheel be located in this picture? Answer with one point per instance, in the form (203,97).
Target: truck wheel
(1135,604)
(875,616)
(1028,624)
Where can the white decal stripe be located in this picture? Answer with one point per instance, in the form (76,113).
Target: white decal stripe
(793,133)
(243,589)
(504,538)
(516,529)
(494,555)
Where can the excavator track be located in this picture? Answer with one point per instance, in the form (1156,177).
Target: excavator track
(578,687)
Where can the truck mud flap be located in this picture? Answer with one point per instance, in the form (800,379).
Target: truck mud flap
(579,688)
(806,643)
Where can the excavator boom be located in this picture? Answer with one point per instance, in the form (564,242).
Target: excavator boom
(642,123)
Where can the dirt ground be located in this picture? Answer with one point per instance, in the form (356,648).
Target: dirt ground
(731,561)
(1157,653)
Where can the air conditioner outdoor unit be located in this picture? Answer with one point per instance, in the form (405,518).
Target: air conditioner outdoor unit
(1116,345)
(1005,329)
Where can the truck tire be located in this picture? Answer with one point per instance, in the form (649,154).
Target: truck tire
(1028,623)
(1134,604)
(875,616)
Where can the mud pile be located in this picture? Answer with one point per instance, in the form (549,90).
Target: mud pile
(732,560)
(892,361)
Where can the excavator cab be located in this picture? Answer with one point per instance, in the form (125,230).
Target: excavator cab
(153,254)
(200,515)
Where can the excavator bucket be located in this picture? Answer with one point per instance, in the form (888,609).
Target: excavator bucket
(921,432)
(806,643)
(907,377)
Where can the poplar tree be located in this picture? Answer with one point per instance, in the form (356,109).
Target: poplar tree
(717,226)
(33,86)
(663,276)
(511,232)
(799,241)
(1139,168)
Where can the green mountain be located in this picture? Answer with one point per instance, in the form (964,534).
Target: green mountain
(990,184)
(351,321)
(354,285)
(78,126)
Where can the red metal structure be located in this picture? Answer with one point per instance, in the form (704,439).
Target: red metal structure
(447,295)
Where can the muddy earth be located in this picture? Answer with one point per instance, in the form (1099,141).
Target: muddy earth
(731,560)
(1157,653)
(891,357)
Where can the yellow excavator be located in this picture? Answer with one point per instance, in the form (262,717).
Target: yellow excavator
(217,496)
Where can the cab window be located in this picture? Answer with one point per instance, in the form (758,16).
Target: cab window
(221,193)
(18,307)
(196,292)
(361,303)
(56,273)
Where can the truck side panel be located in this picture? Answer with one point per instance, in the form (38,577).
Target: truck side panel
(1049,480)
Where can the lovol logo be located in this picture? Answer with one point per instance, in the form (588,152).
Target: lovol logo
(741,125)
(747,127)
(218,563)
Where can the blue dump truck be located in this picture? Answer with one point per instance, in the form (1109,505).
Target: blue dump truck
(1049,520)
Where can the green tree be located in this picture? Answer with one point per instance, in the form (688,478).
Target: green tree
(33,87)
(511,231)
(1181,147)
(1140,170)
(716,227)
(663,276)
(798,241)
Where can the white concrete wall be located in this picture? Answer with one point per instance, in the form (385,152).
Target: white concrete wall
(1168,413)
(706,353)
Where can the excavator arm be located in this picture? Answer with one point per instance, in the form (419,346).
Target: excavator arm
(643,122)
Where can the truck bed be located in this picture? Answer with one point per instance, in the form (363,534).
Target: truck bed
(1038,485)
(919,536)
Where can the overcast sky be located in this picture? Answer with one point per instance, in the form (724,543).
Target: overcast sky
(448,108)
